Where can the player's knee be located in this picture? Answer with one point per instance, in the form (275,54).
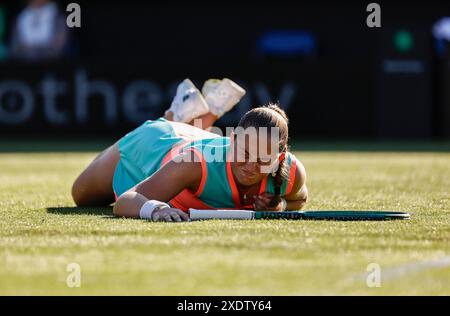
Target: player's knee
(117,209)
(79,193)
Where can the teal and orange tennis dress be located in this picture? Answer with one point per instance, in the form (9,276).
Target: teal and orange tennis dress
(150,146)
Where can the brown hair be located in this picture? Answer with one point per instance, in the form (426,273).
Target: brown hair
(269,116)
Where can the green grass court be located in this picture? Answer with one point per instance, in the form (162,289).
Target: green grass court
(41,231)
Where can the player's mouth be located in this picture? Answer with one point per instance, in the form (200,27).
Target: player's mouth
(247,175)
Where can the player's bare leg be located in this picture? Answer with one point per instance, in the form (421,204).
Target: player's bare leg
(93,187)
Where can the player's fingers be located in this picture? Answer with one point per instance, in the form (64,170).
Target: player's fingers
(167,218)
(263,203)
(264,206)
(156,217)
(267,199)
(184,216)
(175,217)
(259,206)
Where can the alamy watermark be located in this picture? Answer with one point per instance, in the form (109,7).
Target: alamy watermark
(374,18)
(373,278)
(73,279)
(74,17)
(255,145)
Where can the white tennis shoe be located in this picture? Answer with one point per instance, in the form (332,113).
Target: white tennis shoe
(221,95)
(188,103)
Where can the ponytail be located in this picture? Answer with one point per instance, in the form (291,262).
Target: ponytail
(280,175)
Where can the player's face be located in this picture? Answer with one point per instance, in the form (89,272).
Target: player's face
(254,158)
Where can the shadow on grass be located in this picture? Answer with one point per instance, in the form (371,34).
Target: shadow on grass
(98,211)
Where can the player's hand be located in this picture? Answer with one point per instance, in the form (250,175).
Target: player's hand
(262,203)
(169,215)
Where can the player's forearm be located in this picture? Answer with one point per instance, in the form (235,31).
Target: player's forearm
(299,201)
(295,205)
(129,204)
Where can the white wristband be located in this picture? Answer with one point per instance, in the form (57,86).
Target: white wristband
(148,208)
(284,204)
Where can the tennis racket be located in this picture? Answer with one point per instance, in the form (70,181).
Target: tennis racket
(298,215)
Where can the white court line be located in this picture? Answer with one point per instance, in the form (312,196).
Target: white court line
(401,270)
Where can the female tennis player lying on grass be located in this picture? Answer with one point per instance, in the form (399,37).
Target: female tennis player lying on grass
(166,166)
